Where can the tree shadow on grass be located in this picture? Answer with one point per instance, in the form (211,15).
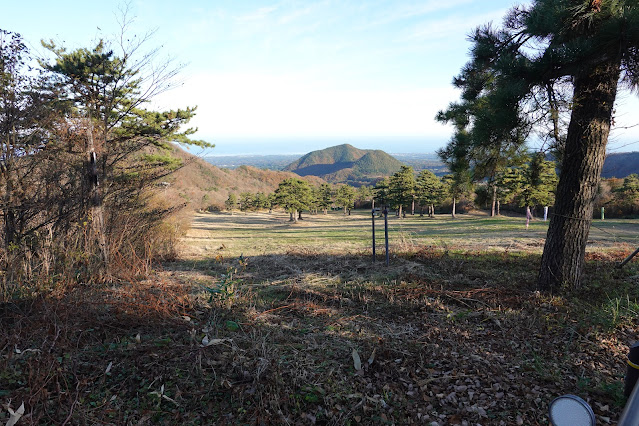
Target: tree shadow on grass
(440,338)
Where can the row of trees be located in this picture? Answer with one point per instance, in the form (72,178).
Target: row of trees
(620,197)
(529,185)
(296,195)
(79,154)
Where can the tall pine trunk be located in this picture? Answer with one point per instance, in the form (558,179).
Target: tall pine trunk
(9,209)
(494,202)
(454,204)
(563,258)
(95,203)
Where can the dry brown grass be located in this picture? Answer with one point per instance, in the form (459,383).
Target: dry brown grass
(454,335)
(214,234)
(202,185)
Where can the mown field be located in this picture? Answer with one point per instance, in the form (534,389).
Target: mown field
(264,233)
(264,322)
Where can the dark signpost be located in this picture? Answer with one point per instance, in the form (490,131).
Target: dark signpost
(373,216)
(385,213)
(386,234)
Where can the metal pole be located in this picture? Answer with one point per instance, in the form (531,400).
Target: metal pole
(630,413)
(373,217)
(632,370)
(628,259)
(386,234)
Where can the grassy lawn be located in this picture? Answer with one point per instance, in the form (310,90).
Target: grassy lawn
(303,328)
(262,233)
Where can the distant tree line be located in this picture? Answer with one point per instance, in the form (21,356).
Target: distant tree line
(619,197)
(526,188)
(296,195)
(528,185)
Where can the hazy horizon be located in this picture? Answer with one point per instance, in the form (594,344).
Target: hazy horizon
(297,76)
(301,146)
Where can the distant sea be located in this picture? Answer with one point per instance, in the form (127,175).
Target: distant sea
(301,146)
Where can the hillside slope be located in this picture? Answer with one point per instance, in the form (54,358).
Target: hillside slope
(202,185)
(345,163)
(621,164)
(341,156)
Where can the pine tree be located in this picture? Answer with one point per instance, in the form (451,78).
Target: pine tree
(401,188)
(325,198)
(457,185)
(246,201)
(381,192)
(476,149)
(344,197)
(293,195)
(547,48)
(108,91)
(531,184)
(364,193)
(628,193)
(260,201)
(429,190)
(231,202)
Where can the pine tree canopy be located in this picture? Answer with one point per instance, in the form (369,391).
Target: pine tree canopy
(551,71)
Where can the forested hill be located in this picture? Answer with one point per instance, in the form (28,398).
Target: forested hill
(345,163)
(340,156)
(621,164)
(203,185)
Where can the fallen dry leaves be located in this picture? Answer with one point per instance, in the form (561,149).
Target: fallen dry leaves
(315,339)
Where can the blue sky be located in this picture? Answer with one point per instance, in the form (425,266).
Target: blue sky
(291,76)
